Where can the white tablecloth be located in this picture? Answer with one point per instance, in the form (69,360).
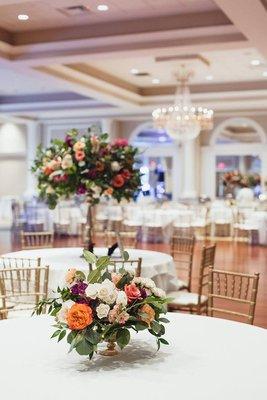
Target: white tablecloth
(207,359)
(156,265)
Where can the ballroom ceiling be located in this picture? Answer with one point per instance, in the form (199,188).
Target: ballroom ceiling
(91,53)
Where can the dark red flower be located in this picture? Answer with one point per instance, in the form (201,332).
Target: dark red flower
(126,174)
(69,141)
(118,181)
(92,173)
(60,178)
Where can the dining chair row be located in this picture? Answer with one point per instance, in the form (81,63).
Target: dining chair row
(218,291)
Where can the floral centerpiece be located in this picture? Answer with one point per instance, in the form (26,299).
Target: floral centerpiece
(105,307)
(87,165)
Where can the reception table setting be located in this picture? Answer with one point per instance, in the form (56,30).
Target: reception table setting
(207,358)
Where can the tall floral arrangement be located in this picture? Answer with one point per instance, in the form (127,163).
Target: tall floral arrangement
(235,178)
(104,307)
(86,165)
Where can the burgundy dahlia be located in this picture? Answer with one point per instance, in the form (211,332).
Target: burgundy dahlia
(79,288)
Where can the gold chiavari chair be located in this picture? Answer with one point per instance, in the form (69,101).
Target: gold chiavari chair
(21,289)
(129,265)
(13,262)
(182,251)
(36,240)
(234,289)
(128,239)
(196,303)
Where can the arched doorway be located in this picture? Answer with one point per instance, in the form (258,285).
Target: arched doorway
(238,144)
(160,161)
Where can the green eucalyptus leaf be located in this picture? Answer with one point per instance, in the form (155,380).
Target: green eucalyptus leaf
(156,327)
(56,333)
(125,255)
(103,262)
(140,326)
(163,341)
(164,320)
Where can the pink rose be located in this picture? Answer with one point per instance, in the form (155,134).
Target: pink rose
(132,292)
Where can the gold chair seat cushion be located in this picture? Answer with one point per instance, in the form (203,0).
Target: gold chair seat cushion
(182,225)
(181,298)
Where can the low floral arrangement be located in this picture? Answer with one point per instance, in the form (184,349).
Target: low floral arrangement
(86,165)
(235,178)
(104,307)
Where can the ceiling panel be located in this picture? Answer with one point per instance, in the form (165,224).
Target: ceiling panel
(225,66)
(46,14)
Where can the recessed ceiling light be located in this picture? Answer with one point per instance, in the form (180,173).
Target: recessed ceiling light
(209,78)
(155,81)
(134,71)
(264,74)
(23,17)
(255,62)
(102,7)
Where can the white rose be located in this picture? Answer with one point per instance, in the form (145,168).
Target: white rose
(50,190)
(102,310)
(115,166)
(67,162)
(81,163)
(92,290)
(107,291)
(62,314)
(158,292)
(122,298)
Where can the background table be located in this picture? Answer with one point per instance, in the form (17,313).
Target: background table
(207,359)
(156,265)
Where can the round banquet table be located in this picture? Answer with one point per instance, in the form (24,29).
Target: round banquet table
(208,358)
(158,266)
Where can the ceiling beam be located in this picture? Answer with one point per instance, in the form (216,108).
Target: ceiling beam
(250,18)
(126,27)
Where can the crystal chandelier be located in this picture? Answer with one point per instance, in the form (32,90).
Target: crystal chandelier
(183,121)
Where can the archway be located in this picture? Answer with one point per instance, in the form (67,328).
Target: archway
(235,144)
(160,161)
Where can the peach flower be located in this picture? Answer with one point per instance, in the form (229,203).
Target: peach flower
(118,315)
(109,191)
(70,276)
(115,278)
(47,170)
(80,155)
(132,292)
(149,312)
(78,146)
(79,316)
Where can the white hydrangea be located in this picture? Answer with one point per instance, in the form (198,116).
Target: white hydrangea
(102,310)
(146,282)
(158,292)
(67,162)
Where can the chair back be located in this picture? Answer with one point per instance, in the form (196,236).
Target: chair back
(234,289)
(182,251)
(207,263)
(128,239)
(36,240)
(129,265)
(21,287)
(20,262)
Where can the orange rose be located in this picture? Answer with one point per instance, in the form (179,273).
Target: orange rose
(47,170)
(150,313)
(79,155)
(118,181)
(79,316)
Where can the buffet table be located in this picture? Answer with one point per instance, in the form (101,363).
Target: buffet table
(207,359)
(158,266)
